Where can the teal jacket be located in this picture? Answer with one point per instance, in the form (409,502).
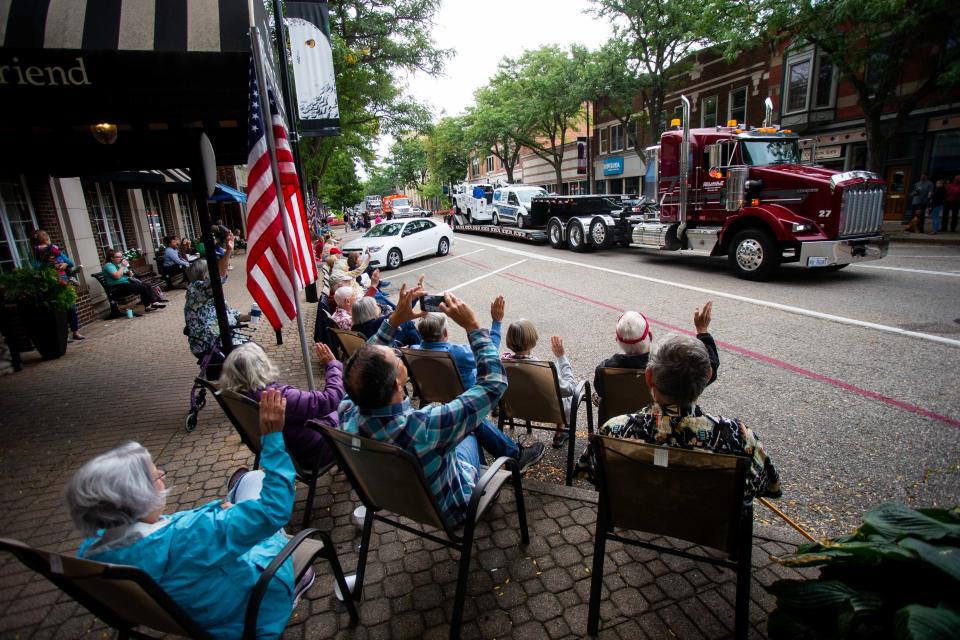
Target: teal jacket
(208,559)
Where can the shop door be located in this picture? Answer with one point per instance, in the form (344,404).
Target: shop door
(898,188)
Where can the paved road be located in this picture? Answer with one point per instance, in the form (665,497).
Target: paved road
(849,377)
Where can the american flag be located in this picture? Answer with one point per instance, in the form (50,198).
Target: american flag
(268,263)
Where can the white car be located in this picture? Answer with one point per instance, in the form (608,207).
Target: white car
(420,213)
(391,243)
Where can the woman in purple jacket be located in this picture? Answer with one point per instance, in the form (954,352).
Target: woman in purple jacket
(248,370)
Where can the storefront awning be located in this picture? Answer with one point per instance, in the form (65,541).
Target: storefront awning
(161,71)
(226,193)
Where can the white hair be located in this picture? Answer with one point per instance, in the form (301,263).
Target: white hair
(631,326)
(115,489)
(247,368)
(197,270)
(431,327)
(680,368)
(364,310)
(344,297)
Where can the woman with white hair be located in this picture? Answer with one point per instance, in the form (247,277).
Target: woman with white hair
(368,316)
(207,559)
(249,371)
(344,296)
(634,338)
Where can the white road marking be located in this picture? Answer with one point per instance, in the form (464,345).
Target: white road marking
(731,296)
(432,264)
(486,275)
(955,274)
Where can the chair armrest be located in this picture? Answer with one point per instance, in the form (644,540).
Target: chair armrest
(485,479)
(581,395)
(260,589)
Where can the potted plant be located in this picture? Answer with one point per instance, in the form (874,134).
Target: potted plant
(42,300)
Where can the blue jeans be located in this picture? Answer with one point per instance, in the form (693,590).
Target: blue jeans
(935,217)
(383,300)
(495,442)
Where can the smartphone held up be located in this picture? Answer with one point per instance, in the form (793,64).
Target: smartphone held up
(431,304)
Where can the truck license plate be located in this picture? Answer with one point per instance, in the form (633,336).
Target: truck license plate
(817,261)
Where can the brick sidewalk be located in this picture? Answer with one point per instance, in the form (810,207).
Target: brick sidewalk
(130,380)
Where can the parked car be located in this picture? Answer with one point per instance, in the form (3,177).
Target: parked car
(393,242)
(420,213)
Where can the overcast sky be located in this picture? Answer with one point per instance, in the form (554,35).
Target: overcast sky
(481,34)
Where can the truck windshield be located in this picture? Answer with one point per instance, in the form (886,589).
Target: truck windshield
(525,195)
(384,229)
(401,202)
(760,153)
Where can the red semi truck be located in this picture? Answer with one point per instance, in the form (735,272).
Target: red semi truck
(743,193)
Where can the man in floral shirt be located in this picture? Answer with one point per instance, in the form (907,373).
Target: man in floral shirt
(677,373)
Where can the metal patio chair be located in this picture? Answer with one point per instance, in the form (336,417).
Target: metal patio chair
(126,597)
(434,375)
(244,415)
(533,395)
(624,391)
(349,341)
(691,495)
(388,478)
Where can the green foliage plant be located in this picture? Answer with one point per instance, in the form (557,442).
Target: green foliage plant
(41,288)
(896,576)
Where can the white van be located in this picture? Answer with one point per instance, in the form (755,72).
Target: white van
(512,204)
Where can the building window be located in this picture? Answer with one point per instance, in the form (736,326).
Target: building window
(186,217)
(105,216)
(601,187)
(798,85)
(17,221)
(825,83)
(475,166)
(616,138)
(708,112)
(738,105)
(154,213)
(603,140)
(489,164)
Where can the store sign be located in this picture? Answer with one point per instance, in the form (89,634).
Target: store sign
(823,153)
(613,166)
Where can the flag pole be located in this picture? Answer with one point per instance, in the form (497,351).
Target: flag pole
(275,169)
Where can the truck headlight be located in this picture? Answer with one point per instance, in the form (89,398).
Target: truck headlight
(800,227)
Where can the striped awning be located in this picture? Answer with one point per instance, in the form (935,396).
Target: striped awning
(160,70)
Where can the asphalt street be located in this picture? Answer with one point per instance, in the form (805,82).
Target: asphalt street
(850,377)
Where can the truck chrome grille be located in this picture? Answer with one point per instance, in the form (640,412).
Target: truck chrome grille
(861,211)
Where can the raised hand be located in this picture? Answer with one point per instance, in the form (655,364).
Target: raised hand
(405,310)
(375,278)
(273,409)
(459,311)
(702,317)
(497,308)
(556,345)
(324,354)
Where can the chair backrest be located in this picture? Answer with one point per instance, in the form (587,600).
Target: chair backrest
(624,391)
(693,495)
(385,476)
(349,341)
(122,596)
(434,374)
(244,414)
(533,392)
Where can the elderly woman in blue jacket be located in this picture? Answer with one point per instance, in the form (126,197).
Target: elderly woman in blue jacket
(207,559)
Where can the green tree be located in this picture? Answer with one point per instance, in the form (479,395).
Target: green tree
(498,122)
(447,148)
(615,90)
(340,186)
(408,162)
(656,37)
(380,182)
(550,90)
(874,44)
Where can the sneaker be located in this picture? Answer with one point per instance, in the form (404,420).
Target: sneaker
(303,584)
(384,284)
(530,455)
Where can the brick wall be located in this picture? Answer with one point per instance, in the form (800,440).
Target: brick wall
(42,200)
(126,218)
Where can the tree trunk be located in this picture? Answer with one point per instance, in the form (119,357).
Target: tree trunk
(509,169)
(875,140)
(558,167)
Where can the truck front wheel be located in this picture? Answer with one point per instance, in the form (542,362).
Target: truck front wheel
(600,236)
(555,233)
(575,238)
(753,254)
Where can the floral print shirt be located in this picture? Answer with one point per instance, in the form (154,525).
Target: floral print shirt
(200,315)
(690,428)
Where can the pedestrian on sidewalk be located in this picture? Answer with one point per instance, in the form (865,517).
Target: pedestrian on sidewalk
(951,206)
(936,206)
(919,201)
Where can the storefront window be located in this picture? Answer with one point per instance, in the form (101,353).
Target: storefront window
(945,156)
(17,222)
(631,186)
(152,202)
(186,217)
(105,217)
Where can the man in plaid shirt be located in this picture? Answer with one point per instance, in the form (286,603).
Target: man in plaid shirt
(445,438)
